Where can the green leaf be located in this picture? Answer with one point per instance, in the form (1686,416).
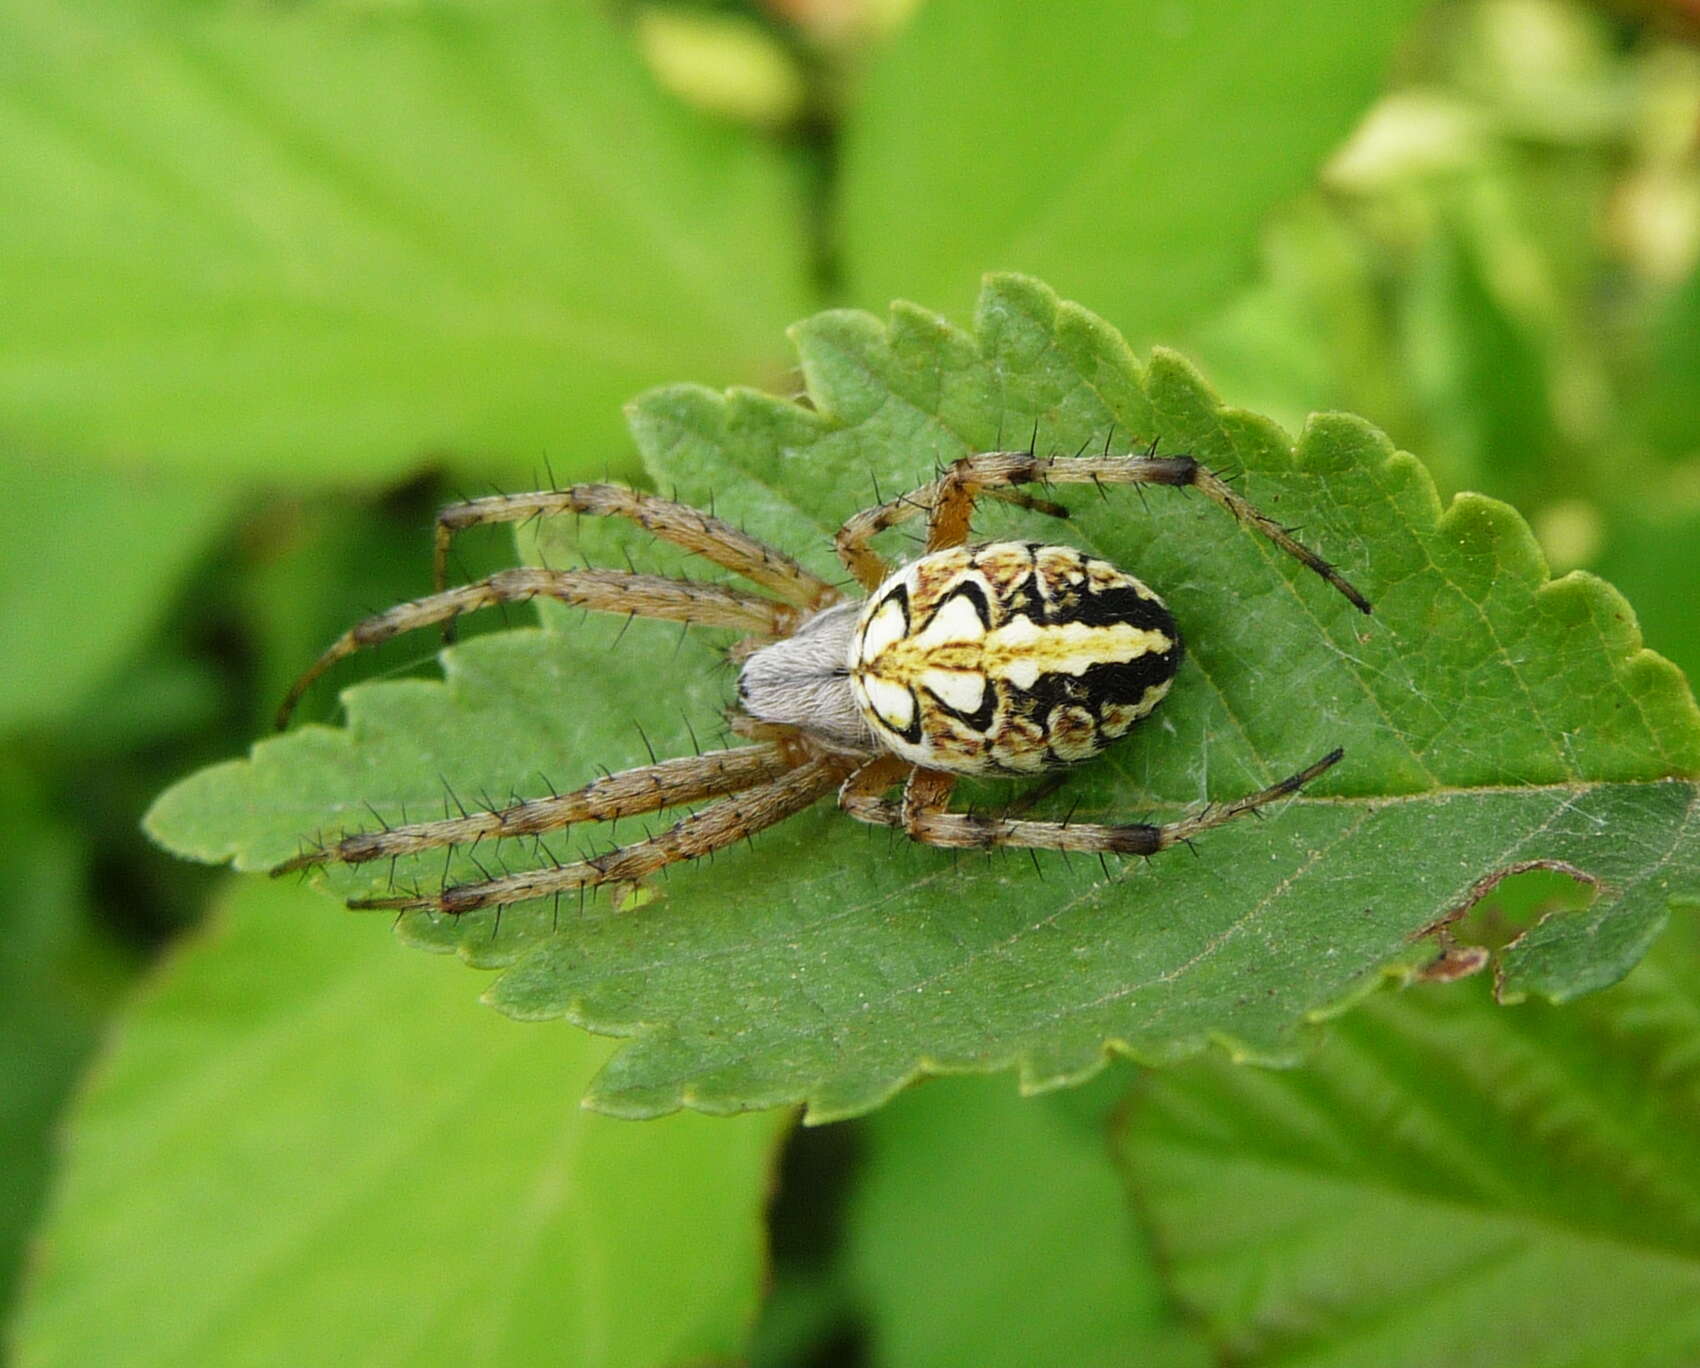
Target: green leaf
(970,1192)
(1130,155)
(1490,719)
(53,984)
(1672,392)
(338,557)
(1651,556)
(1314,328)
(1446,1182)
(304,1151)
(1478,376)
(89,565)
(314,242)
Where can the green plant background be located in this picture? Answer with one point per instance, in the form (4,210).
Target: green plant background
(276,281)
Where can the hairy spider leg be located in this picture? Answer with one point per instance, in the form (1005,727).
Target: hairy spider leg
(1022,499)
(922,813)
(700,533)
(719,825)
(869,782)
(949,501)
(630,793)
(603,591)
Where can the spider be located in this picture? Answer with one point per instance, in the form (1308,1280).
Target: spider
(1005,658)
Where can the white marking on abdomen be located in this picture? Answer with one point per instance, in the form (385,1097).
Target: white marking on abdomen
(961,690)
(892,703)
(956,620)
(884,628)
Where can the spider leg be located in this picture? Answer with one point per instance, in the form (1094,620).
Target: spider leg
(700,533)
(719,825)
(860,794)
(854,540)
(606,591)
(645,789)
(1032,502)
(922,814)
(949,502)
(969,477)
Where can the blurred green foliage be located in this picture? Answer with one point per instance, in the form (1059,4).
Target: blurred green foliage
(274,280)
(473,1210)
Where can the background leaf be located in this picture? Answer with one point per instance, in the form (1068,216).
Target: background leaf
(1653,560)
(1670,400)
(1491,718)
(292,1134)
(969,1190)
(1446,1182)
(54,982)
(91,578)
(1129,155)
(317,242)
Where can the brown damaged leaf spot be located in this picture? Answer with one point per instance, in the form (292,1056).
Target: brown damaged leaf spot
(1454,962)
(1457,959)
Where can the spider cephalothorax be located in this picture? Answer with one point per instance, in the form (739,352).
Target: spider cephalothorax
(1008,658)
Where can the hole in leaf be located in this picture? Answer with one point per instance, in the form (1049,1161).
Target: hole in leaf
(1509,908)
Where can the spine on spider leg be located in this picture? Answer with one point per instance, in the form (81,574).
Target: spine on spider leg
(928,822)
(1225,496)
(701,534)
(714,827)
(667,783)
(1182,832)
(975,475)
(604,591)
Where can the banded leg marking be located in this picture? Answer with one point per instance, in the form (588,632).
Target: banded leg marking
(949,502)
(923,816)
(630,793)
(719,825)
(700,533)
(604,591)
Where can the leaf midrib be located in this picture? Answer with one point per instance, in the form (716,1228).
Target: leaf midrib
(1076,1009)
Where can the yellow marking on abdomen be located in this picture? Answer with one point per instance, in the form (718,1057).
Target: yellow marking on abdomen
(1021,651)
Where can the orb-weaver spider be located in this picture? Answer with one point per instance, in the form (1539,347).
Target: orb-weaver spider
(1008,658)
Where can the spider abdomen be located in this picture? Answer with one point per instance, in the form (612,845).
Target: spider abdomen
(1010,658)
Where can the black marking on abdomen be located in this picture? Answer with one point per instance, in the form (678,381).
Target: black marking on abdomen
(971,590)
(1026,600)
(1107,607)
(913,732)
(981,718)
(899,596)
(1126,681)
(1119,682)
